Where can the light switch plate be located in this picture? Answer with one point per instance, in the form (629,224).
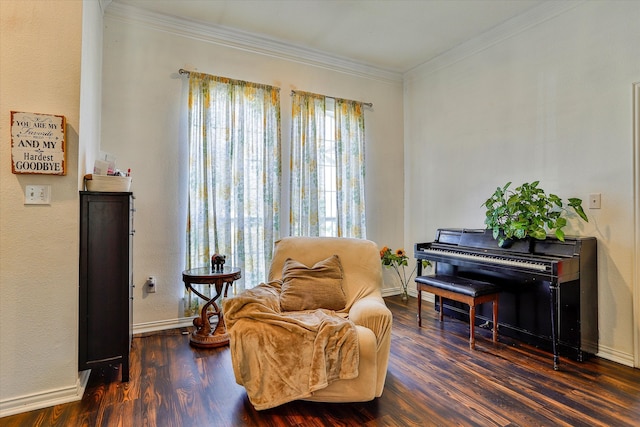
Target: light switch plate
(595,201)
(37,195)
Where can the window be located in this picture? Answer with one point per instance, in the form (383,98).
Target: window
(327,174)
(327,167)
(234,174)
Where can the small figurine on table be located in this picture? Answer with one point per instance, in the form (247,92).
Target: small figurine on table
(217,262)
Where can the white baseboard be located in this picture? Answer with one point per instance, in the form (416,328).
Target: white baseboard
(59,396)
(182,322)
(387,292)
(412,293)
(615,355)
(45,399)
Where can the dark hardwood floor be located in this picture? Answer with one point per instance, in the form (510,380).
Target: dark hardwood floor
(434,379)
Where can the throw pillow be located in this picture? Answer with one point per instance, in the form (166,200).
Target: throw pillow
(310,288)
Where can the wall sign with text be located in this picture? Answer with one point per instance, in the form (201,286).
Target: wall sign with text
(38,143)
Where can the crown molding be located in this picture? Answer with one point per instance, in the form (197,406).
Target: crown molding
(497,34)
(246,41)
(254,43)
(104,4)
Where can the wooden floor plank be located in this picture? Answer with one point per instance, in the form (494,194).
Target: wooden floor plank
(433,379)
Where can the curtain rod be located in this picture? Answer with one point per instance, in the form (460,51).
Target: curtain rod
(187,73)
(184,72)
(368,104)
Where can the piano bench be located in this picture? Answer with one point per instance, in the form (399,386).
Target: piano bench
(460,289)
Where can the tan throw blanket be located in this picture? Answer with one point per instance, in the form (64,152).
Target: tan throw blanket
(283,356)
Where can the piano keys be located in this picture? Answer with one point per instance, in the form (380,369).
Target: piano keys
(549,295)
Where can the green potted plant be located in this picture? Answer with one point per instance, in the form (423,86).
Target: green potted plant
(527,211)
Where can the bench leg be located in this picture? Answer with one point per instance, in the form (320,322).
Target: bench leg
(419,306)
(472,321)
(441,308)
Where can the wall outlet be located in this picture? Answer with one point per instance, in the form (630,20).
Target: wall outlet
(37,195)
(594,201)
(151,284)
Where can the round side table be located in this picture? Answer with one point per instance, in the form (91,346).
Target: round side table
(204,336)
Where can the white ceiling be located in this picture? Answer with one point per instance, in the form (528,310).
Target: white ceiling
(394,35)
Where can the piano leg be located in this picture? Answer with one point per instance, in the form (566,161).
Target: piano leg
(554,325)
(495,320)
(419,273)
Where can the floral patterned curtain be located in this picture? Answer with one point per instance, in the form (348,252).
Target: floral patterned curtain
(307,135)
(234,174)
(350,168)
(327,167)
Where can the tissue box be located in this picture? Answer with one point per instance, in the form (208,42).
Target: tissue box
(107,183)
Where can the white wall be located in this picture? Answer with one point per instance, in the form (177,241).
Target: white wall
(40,55)
(144,108)
(90,87)
(552,103)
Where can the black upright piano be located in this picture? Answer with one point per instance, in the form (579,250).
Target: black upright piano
(549,288)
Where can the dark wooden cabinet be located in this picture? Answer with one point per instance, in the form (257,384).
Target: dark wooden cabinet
(106,282)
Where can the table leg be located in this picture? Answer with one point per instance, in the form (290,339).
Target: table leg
(204,336)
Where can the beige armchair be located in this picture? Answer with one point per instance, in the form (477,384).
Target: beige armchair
(272,348)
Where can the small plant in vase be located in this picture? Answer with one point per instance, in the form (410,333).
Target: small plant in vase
(398,260)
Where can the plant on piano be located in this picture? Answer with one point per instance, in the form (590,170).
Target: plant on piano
(528,211)
(398,260)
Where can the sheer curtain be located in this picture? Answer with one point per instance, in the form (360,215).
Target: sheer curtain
(307,137)
(327,167)
(350,168)
(234,174)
